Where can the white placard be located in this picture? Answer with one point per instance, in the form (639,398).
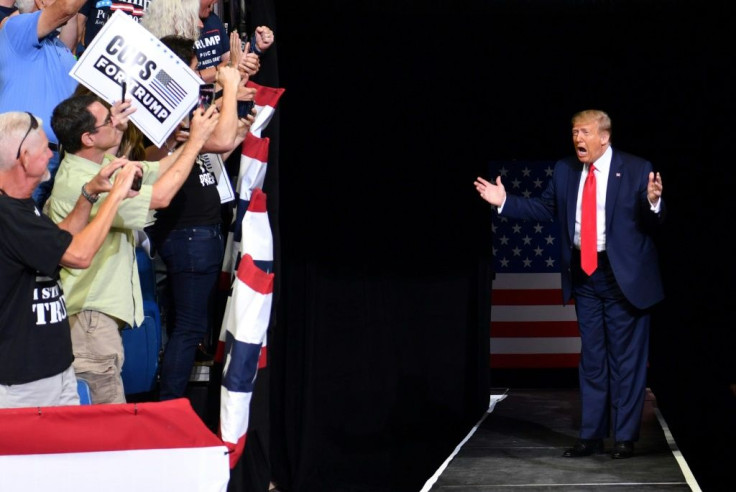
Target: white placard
(162,87)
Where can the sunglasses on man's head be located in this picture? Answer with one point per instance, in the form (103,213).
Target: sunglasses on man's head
(33,126)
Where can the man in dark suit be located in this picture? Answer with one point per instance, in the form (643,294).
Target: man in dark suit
(613,290)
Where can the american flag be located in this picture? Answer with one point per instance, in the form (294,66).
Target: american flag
(530,328)
(167,88)
(124,7)
(247,272)
(252,172)
(246,320)
(265,103)
(148,437)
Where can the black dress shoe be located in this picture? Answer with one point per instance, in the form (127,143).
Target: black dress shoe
(584,447)
(622,450)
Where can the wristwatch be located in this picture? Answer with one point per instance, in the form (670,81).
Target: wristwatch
(90,198)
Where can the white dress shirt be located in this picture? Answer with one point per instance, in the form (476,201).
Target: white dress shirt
(602,168)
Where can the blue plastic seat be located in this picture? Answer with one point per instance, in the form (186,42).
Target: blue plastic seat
(85,397)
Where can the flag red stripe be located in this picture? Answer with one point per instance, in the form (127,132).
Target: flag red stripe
(255,147)
(254,277)
(534,329)
(111,427)
(526,297)
(235,450)
(519,361)
(220,351)
(257,202)
(266,96)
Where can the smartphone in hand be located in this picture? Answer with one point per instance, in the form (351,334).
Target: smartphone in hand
(206,95)
(244,108)
(137,182)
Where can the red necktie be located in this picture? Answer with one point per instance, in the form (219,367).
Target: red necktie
(588,230)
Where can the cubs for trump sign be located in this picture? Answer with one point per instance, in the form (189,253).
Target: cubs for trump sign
(163,88)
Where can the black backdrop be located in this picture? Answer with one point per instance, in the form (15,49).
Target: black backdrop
(379,341)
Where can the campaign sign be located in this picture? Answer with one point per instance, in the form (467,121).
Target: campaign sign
(163,88)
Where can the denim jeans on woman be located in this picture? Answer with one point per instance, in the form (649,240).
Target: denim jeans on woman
(193,258)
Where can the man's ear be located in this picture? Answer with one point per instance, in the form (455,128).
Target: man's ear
(87,140)
(605,137)
(22,161)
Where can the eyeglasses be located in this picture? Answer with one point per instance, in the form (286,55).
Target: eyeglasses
(107,121)
(33,126)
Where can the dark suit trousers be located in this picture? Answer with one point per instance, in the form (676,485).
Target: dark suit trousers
(613,356)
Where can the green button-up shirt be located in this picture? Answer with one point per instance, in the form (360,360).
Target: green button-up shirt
(111,284)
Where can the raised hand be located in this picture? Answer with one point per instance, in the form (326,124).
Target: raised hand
(495,194)
(264,38)
(203,124)
(228,78)
(120,112)
(237,50)
(250,63)
(654,188)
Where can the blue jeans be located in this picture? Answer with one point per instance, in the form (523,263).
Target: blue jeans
(43,190)
(193,258)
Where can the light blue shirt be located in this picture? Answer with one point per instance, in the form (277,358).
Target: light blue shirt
(34,74)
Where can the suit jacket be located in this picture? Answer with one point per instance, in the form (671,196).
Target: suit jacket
(630,224)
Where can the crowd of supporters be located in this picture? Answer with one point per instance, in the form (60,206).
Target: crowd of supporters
(71,216)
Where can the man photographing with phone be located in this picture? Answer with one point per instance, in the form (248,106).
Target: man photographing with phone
(107,295)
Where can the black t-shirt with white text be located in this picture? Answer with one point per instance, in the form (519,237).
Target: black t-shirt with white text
(35,341)
(197,203)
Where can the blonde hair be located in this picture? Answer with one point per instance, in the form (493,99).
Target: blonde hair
(166,17)
(13,125)
(600,117)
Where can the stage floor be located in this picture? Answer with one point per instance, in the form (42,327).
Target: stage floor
(518,445)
